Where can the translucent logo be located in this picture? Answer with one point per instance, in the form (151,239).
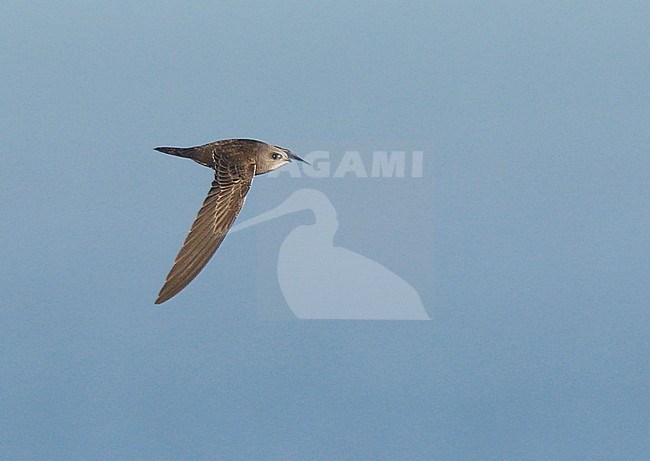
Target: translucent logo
(323,281)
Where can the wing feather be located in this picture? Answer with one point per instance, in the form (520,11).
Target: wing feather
(215,217)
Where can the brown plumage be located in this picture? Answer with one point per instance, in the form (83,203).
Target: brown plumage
(236,162)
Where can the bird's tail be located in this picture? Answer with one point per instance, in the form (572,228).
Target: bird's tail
(185,152)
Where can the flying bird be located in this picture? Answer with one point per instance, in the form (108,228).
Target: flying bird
(235,162)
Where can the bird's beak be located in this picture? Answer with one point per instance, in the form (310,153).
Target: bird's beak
(295,157)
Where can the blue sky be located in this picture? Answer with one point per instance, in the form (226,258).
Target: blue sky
(526,238)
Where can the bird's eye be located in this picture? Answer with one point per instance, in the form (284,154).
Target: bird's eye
(276,156)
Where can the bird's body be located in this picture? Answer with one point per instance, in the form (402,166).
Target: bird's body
(236,162)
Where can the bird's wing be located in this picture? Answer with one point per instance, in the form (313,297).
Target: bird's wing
(218,212)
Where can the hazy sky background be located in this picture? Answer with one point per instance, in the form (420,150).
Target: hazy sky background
(528,238)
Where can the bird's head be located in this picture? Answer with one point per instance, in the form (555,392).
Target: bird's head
(270,157)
